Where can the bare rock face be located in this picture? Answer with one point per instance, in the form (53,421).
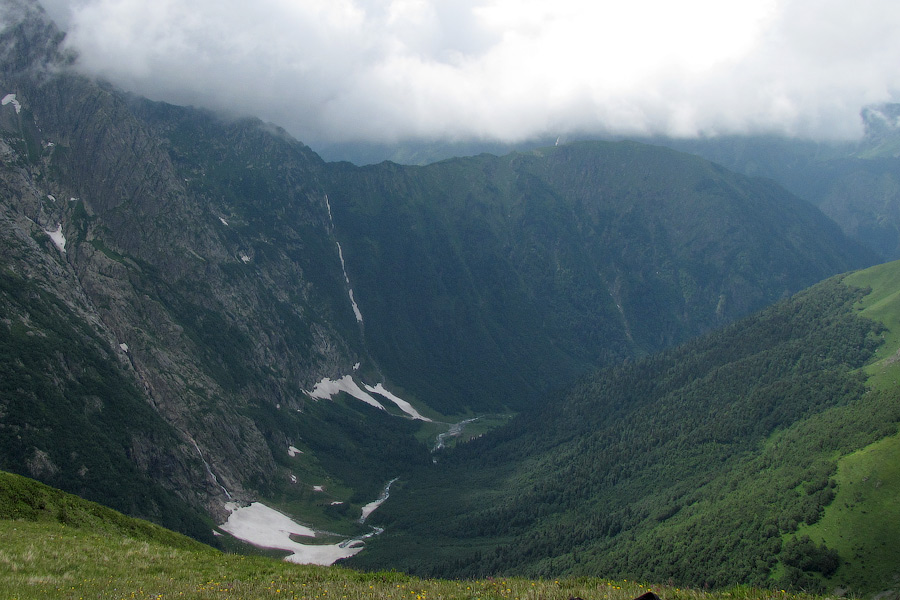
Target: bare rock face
(205,308)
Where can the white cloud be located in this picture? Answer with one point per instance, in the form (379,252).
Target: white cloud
(382,70)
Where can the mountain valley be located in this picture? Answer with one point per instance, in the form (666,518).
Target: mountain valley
(199,315)
(707,463)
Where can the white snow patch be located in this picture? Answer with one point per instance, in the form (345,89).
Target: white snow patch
(11,99)
(261,523)
(58,238)
(124,347)
(355,307)
(328,388)
(400,402)
(224,222)
(292,452)
(336,503)
(368,509)
(245,258)
(265,527)
(51,197)
(318,488)
(293,479)
(356,367)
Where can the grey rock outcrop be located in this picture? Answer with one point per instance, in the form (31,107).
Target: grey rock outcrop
(207,306)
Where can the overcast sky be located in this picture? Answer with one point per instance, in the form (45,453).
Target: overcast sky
(389,70)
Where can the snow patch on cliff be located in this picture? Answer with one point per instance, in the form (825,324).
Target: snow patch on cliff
(356,311)
(400,402)
(328,388)
(11,99)
(355,307)
(58,238)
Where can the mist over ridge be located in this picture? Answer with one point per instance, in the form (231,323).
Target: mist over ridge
(393,71)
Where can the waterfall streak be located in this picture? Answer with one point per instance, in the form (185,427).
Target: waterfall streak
(209,470)
(356,310)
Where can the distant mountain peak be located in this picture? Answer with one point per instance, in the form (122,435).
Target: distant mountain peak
(29,39)
(881,117)
(882,130)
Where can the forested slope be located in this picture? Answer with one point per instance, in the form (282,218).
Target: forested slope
(855,183)
(697,464)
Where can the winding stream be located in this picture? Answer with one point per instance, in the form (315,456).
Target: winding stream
(455,430)
(265,527)
(369,508)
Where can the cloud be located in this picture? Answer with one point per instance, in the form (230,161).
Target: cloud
(387,70)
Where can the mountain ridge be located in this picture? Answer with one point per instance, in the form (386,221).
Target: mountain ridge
(596,244)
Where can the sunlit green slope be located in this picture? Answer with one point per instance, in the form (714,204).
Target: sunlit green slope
(863,522)
(26,500)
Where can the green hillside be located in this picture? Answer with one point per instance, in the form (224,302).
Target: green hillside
(863,522)
(705,464)
(59,546)
(24,500)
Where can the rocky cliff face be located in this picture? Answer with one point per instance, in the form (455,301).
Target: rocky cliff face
(212,297)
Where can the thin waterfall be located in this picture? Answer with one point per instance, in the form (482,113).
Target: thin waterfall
(343,266)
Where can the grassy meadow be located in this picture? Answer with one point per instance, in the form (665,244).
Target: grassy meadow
(53,560)
(863,521)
